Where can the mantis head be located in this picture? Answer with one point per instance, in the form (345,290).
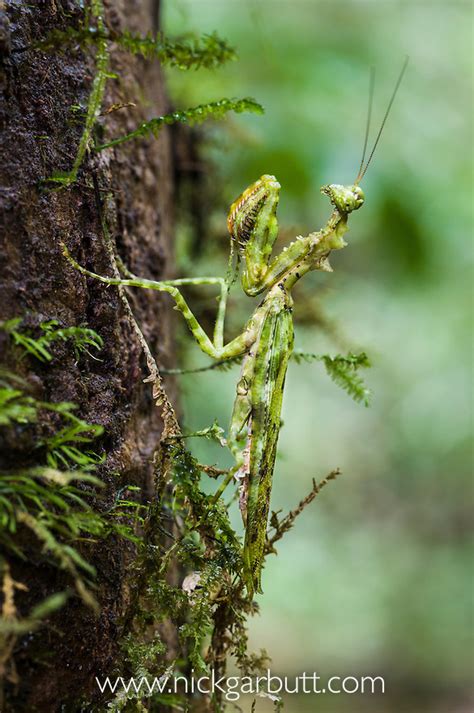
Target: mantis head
(345,199)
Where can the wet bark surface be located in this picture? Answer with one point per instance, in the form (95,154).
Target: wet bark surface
(56,666)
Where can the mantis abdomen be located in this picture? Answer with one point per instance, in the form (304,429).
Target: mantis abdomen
(256,424)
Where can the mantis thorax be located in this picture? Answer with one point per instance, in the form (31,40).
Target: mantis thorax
(253,225)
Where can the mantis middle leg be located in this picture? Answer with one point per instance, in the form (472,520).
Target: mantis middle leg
(214,348)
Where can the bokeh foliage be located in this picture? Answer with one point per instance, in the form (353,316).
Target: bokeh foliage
(376,577)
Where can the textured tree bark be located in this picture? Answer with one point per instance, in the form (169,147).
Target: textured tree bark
(55,667)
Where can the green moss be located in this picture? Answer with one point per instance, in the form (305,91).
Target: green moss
(209,51)
(95,98)
(214,110)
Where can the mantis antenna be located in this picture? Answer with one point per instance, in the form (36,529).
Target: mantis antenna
(367,124)
(363,171)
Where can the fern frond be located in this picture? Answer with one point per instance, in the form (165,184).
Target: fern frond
(197,114)
(15,407)
(11,624)
(211,433)
(343,371)
(13,627)
(63,447)
(35,347)
(81,337)
(50,504)
(67,558)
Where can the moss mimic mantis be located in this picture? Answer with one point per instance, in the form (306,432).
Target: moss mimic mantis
(266,342)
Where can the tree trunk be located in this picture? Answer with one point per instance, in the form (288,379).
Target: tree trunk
(55,667)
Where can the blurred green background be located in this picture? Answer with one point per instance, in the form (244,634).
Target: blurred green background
(375,578)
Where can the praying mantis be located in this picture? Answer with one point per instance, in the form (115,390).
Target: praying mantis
(266,342)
